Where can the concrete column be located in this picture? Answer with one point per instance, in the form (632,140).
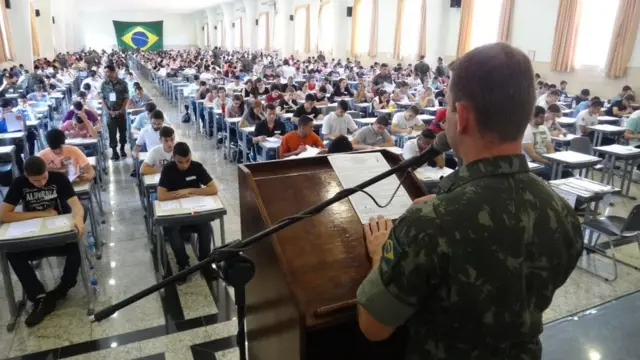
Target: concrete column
(20,23)
(227,20)
(74,40)
(340,39)
(45,28)
(251,14)
(211,19)
(59,13)
(286,9)
(199,33)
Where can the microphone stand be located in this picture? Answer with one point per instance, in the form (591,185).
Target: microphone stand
(237,270)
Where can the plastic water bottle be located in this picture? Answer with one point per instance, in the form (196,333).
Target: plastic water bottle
(93,280)
(91,242)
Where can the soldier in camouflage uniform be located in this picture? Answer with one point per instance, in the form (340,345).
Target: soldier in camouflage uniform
(470,271)
(115,96)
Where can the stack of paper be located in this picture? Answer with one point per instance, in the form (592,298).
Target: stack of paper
(23,227)
(311,151)
(200,202)
(56,223)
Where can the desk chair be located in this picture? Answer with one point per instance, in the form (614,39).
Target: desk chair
(583,145)
(615,228)
(6,174)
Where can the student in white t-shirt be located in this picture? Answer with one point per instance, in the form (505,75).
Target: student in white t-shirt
(537,142)
(338,122)
(149,136)
(588,118)
(406,122)
(415,147)
(160,155)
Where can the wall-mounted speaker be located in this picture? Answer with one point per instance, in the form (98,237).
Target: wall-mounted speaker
(256,22)
(233,25)
(456,3)
(37,13)
(53,19)
(291,17)
(215,28)
(7,4)
(349,11)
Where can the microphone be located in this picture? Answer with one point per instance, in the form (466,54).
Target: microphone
(439,146)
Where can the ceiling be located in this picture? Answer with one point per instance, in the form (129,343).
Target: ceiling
(166,6)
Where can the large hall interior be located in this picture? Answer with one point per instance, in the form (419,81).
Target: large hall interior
(319,179)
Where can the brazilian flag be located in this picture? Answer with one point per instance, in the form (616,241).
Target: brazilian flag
(145,36)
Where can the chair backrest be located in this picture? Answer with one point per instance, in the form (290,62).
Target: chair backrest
(582,145)
(355,114)
(632,224)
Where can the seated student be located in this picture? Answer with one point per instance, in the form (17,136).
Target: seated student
(415,81)
(259,89)
(143,119)
(139,98)
(222,102)
(289,84)
(43,194)
(401,93)
(341,91)
(579,99)
(338,122)
(307,109)
(340,144)
(435,83)
(622,107)
(275,95)
(149,135)
(326,82)
(39,95)
(160,155)
(549,98)
(6,111)
(79,126)
(584,105)
(288,104)
(182,178)
(406,122)
(553,113)
(78,107)
(588,118)
(537,142)
(27,115)
(321,96)
(253,115)
(271,127)
(438,123)
(236,109)
(563,88)
(92,94)
(296,142)
(235,86)
(66,159)
(626,90)
(632,134)
(381,101)
(374,135)
(417,146)
(426,98)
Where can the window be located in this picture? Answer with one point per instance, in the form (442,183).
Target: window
(206,35)
(595,27)
(411,21)
(362,30)
(219,34)
(326,26)
(276,42)
(486,19)
(238,34)
(262,31)
(300,29)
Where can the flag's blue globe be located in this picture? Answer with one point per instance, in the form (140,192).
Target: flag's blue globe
(139,39)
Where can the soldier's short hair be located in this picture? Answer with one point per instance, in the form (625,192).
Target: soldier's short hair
(496,80)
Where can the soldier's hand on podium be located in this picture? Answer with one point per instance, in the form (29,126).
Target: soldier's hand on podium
(424,199)
(376,233)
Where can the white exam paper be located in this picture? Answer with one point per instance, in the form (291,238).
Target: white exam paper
(23,227)
(311,151)
(567,195)
(200,202)
(56,223)
(171,204)
(352,169)
(13,124)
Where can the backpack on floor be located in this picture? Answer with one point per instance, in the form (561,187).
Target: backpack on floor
(186,118)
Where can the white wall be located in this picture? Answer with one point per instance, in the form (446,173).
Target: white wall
(179,30)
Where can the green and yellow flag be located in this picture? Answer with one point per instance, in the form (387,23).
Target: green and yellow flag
(145,36)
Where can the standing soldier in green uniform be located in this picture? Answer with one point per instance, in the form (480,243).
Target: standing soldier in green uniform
(115,95)
(470,271)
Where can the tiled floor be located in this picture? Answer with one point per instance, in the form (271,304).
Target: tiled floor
(196,320)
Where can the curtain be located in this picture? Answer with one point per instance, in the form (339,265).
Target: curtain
(263,31)
(422,41)
(466,23)
(307,31)
(412,37)
(373,36)
(564,41)
(266,34)
(506,15)
(6,45)
(625,31)
(354,26)
(398,31)
(322,30)
(299,30)
(277,31)
(35,43)
(240,42)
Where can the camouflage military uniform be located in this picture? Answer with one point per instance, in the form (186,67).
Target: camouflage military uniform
(471,271)
(116,123)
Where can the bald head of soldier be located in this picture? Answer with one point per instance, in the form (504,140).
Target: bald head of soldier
(490,102)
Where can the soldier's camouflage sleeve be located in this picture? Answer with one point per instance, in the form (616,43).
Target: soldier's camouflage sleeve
(392,292)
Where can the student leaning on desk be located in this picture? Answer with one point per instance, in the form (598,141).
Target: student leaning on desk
(66,159)
(179,179)
(43,194)
(160,155)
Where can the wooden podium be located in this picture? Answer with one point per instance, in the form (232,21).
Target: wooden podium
(301,302)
